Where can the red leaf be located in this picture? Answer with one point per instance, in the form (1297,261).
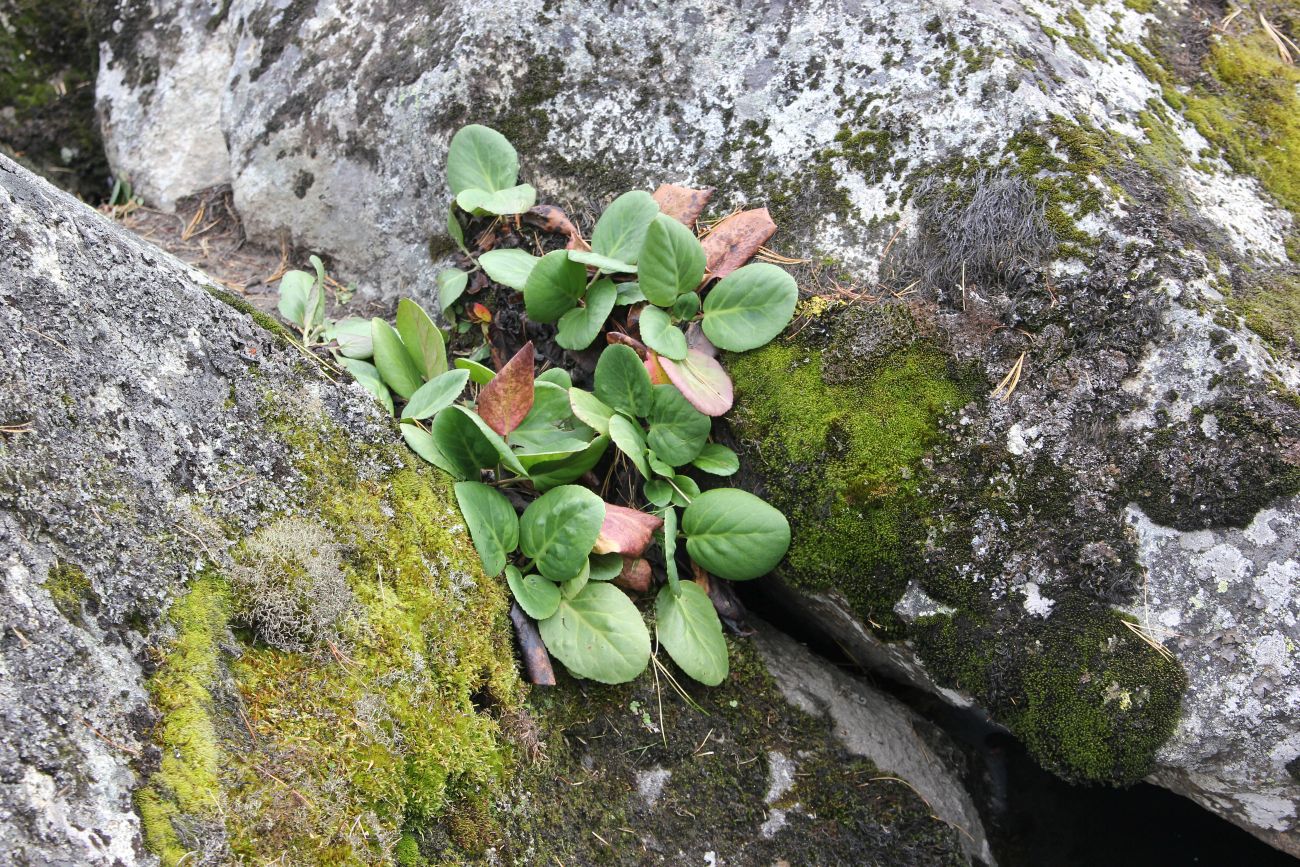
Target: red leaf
(549,218)
(505,400)
(702,380)
(479,313)
(626,531)
(635,576)
(682,203)
(657,375)
(735,240)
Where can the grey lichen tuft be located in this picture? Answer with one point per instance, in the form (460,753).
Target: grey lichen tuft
(289,586)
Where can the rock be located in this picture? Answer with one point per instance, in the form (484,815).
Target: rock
(1081,224)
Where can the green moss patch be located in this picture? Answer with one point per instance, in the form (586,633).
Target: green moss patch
(69,587)
(842,458)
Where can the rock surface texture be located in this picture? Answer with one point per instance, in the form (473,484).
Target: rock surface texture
(240,623)
(1091,207)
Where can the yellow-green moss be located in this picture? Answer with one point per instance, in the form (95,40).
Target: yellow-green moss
(1272,310)
(68,587)
(842,460)
(187,783)
(1091,701)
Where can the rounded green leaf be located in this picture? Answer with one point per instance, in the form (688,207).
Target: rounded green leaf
(503,453)
(749,307)
(660,334)
(393,361)
(734,534)
(295,287)
(690,631)
(557,376)
(685,489)
(493,524)
(559,528)
(579,326)
(436,394)
(717,459)
(512,200)
(455,231)
(548,474)
(538,597)
(630,441)
(422,339)
(550,407)
(353,337)
(573,586)
(658,492)
(622,381)
(603,263)
(451,285)
(620,231)
(590,410)
(481,158)
(671,261)
(461,444)
(479,374)
(606,567)
(598,635)
(678,430)
(554,287)
(368,375)
(659,467)
(629,293)
(509,267)
(686,306)
(421,442)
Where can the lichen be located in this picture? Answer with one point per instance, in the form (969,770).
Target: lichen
(69,587)
(840,451)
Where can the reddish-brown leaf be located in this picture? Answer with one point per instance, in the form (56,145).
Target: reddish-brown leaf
(505,400)
(480,314)
(626,531)
(549,218)
(702,381)
(652,367)
(635,576)
(735,240)
(682,203)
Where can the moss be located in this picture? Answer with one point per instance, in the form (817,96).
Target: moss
(282,334)
(1091,701)
(840,452)
(1271,310)
(69,587)
(186,789)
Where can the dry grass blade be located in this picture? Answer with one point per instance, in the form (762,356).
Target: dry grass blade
(1228,19)
(677,687)
(1145,634)
(24,428)
(1278,39)
(766,255)
(1004,389)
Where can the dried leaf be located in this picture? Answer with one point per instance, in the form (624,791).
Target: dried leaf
(735,240)
(702,380)
(636,575)
(505,400)
(549,218)
(682,203)
(656,371)
(626,531)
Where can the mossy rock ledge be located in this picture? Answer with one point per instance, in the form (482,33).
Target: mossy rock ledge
(243,623)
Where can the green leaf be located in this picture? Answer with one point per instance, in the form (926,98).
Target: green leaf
(554,287)
(463,448)
(606,567)
(630,441)
(686,306)
(658,492)
(456,232)
(628,293)
(493,524)
(451,285)
(550,407)
(421,442)
(659,333)
(503,452)
(670,547)
(295,286)
(734,534)
(749,307)
(315,312)
(598,635)
(659,467)
(573,586)
(368,375)
(479,374)
(545,476)
(717,459)
(620,231)
(513,200)
(559,528)
(436,394)
(604,263)
(671,262)
(422,339)
(394,362)
(622,381)
(481,158)
(353,337)
(579,326)
(678,430)
(538,597)
(685,490)
(509,267)
(557,376)
(590,410)
(690,631)
(702,380)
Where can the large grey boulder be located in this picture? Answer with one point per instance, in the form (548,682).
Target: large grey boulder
(1081,200)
